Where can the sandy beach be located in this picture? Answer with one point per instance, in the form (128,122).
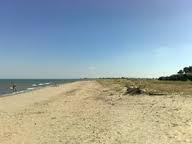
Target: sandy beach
(86,112)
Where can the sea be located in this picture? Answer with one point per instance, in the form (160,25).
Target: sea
(24,85)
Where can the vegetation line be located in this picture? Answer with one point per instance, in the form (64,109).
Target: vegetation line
(182,75)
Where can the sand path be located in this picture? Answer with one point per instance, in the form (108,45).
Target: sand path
(87,113)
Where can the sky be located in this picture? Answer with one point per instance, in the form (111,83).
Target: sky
(94,38)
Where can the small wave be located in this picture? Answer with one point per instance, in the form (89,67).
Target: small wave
(19,92)
(34,85)
(41,84)
(30,88)
(47,83)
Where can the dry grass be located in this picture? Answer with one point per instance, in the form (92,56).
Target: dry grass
(174,87)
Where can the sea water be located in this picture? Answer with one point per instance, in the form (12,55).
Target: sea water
(23,85)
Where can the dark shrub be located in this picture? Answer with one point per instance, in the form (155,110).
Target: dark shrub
(182,75)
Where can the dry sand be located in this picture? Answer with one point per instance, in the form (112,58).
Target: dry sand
(87,113)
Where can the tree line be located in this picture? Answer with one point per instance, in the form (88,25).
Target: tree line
(183,75)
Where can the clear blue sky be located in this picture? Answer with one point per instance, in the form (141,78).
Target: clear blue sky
(94,38)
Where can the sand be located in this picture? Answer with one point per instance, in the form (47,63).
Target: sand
(87,113)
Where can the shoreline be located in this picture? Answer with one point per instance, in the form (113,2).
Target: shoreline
(23,100)
(24,91)
(28,84)
(28,90)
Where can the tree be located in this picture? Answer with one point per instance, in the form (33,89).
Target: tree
(190,69)
(186,70)
(182,75)
(181,72)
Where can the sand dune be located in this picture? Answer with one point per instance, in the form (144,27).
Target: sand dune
(88,113)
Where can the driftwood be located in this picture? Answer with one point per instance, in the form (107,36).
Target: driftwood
(133,90)
(156,94)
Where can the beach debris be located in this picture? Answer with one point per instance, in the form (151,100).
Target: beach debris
(156,94)
(134,90)
(124,91)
